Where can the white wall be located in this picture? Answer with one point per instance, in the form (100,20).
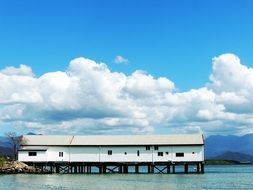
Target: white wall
(191,153)
(53,154)
(118,154)
(24,157)
(100,154)
(84,154)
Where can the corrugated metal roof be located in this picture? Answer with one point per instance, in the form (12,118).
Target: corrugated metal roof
(114,140)
(46,140)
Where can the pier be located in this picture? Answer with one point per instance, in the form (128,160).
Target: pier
(120,168)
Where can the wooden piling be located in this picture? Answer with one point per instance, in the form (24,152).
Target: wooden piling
(136,168)
(100,167)
(75,169)
(51,167)
(186,168)
(120,168)
(125,168)
(198,168)
(150,168)
(57,168)
(168,168)
(202,168)
(173,168)
(89,169)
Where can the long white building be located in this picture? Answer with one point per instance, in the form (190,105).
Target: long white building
(112,149)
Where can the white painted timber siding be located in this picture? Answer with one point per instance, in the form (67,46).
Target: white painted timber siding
(84,154)
(24,157)
(119,154)
(191,153)
(53,154)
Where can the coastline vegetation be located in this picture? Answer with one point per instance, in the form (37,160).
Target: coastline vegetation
(221,162)
(2,161)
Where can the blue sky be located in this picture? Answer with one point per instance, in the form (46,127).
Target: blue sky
(175,39)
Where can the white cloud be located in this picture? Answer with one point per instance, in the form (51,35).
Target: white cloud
(23,70)
(141,85)
(233,83)
(229,75)
(89,98)
(120,60)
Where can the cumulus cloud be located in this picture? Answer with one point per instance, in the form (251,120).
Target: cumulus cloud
(23,70)
(89,98)
(233,83)
(120,60)
(230,75)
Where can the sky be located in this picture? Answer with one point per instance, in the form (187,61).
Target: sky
(126,67)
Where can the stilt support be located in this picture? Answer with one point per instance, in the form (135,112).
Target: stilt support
(173,168)
(186,168)
(136,168)
(202,168)
(168,168)
(125,169)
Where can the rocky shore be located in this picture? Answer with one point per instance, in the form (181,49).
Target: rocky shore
(15,167)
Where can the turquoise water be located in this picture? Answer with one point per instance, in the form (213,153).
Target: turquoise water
(216,177)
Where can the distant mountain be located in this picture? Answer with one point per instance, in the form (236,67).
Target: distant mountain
(4,142)
(30,133)
(217,145)
(3,139)
(6,151)
(235,156)
(5,146)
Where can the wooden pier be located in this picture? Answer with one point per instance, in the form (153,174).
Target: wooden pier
(120,168)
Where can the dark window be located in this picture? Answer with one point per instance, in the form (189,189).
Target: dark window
(160,153)
(156,148)
(167,153)
(60,154)
(109,152)
(138,153)
(179,154)
(32,153)
(125,153)
(147,147)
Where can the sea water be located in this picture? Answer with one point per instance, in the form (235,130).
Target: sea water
(215,177)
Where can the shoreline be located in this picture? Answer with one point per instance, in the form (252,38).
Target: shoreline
(16,167)
(226,162)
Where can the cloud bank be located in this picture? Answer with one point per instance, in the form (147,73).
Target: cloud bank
(88,98)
